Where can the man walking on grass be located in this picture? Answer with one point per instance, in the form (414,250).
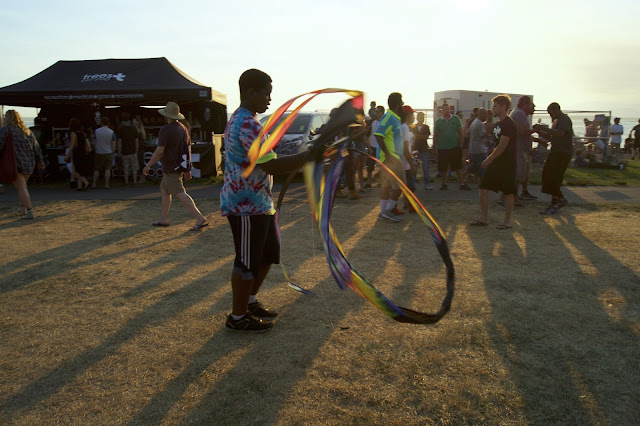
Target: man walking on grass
(500,165)
(173,144)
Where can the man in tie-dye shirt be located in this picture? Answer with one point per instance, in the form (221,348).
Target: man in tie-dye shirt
(248,204)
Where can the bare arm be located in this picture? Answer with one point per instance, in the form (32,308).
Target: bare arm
(407,156)
(547,132)
(504,140)
(157,154)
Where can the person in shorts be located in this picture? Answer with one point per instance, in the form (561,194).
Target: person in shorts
(390,141)
(477,144)
(248,204)
(500,165)
(172,140)
(448,139)
(128,148)
(105,147)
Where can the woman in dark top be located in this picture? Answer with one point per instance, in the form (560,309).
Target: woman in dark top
(28,156)
(80,150)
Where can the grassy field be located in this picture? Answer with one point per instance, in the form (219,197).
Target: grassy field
(630,176)
(107,320)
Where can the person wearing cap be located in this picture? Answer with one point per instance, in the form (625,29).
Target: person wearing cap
(448,138)
(616,131)
(407,159)
(173,140)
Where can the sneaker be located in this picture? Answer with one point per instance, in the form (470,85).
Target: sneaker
(389,216)
(353,195)
(500,203)
(428,187)
(465,187)
(443,187)
(527,196)
(248,323)
(562,202)
(257,310)
(397,211)
(552,209)
(28,215)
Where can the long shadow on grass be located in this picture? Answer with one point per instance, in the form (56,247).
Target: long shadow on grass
(63,259)
(288,350)
(565,357)
(167,307)
(423,256)
(20,223)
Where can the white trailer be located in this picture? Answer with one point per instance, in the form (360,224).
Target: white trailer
(466,100)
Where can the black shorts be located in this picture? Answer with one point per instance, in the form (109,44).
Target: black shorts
(500,177)
(553,172)
(636,143)
(449,158)
(256,241)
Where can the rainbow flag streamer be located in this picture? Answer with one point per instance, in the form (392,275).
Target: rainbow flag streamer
(259,148)
(321,191)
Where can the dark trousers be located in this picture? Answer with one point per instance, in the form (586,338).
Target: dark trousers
(553,172)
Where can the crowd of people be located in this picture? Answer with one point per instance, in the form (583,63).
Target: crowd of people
(497,153)
(492,148)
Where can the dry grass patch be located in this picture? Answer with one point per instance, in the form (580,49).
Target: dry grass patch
(107,320)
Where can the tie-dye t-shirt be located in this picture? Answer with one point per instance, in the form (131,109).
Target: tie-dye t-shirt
(239,195)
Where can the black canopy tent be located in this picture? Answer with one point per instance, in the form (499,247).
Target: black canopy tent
(152,81)
(84,89)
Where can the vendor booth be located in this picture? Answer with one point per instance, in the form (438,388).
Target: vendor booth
(88,90)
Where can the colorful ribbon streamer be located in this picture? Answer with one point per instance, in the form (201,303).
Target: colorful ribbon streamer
(321,191)
(259,148)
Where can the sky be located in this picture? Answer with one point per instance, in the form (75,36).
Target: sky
(585,55)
